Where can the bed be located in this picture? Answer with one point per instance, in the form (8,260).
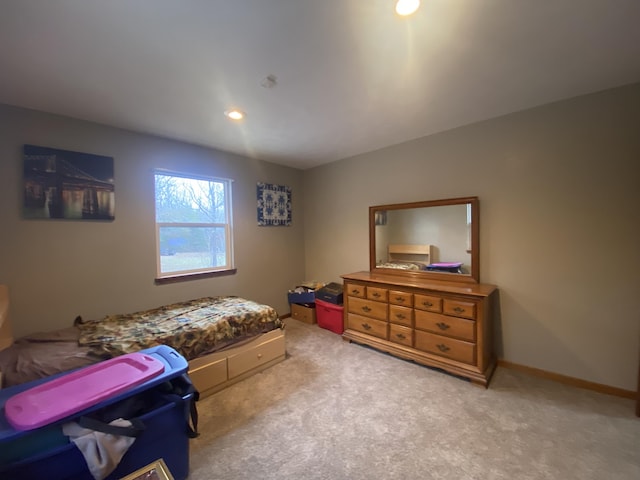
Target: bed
(225,339)
(408,257)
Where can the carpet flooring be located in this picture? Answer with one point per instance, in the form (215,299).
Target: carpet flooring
(335,410)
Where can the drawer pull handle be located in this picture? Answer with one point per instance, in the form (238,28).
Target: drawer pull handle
(400,299)
(400,336)
(458,310)
(375,294)
(400,316)
(355,291)
(366,309)
(427,304)
(259,356)
(443,348)
(442,325)
(366,326)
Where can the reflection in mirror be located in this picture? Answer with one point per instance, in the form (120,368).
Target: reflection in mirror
(437,239)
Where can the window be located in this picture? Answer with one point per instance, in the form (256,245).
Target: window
(193,224)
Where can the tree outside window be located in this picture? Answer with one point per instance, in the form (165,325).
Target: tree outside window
(193,224)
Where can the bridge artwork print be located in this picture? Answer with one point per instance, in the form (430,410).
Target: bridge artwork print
(68,185)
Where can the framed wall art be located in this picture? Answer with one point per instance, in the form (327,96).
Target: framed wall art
(68,185)
(274,205)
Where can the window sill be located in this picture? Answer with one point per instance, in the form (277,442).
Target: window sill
(193,276)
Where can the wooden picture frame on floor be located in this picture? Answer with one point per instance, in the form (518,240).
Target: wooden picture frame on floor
(154,471)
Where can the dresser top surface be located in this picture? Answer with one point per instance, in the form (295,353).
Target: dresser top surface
(475,289)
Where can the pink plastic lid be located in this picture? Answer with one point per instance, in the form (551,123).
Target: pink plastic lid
(68,394)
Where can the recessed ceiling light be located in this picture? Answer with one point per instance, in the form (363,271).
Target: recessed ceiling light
(235,114)
(407,7)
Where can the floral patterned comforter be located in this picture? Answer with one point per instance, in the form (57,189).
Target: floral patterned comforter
(401,265)
(193,328)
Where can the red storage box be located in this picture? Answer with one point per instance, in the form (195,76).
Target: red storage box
(329,316)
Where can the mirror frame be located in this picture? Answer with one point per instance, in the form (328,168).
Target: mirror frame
(473,277)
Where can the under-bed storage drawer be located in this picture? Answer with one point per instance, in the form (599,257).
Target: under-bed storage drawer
(260,354)
(210,374)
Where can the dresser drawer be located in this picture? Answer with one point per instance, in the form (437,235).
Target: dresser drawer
(427,302)
(401,315)
(355,290)
(397,297)
(376,328)
(459,350)
(377,294)
(459,308)
(369,308)
(400,334)
(446,325)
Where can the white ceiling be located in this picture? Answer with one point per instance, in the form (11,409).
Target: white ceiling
(352,76)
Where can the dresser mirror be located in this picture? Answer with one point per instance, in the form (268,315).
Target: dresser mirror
(436,239)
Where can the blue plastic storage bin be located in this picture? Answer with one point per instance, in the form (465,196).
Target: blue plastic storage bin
(46,453)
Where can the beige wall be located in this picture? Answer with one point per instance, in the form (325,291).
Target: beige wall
(559,190)
(58,269)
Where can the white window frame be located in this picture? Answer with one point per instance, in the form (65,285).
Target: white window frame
(228,267)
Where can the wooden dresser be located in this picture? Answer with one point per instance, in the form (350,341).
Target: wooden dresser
(440,324)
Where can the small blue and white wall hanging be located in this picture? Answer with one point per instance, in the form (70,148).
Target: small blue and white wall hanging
(274,205)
